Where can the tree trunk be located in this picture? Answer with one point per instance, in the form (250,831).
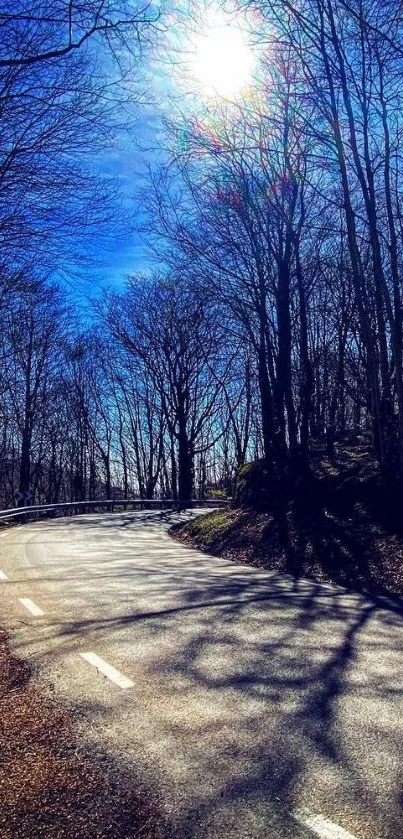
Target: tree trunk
(25,464)
(185,467)
(266,402)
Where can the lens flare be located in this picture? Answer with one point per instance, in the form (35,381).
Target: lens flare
(223,62)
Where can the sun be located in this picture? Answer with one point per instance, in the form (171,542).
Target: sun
(222,62)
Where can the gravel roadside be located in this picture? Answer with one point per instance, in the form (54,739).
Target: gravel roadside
(50,785)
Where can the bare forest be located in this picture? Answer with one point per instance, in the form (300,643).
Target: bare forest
(269,325)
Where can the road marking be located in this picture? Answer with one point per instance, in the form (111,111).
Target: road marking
(10,530)
(24,557)
(322,827)
(107,670)
(31,606)
(3,576)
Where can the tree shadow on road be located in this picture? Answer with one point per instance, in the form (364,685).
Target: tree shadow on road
(268,693)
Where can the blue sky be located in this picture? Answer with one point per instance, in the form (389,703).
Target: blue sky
(128,164)
(136,149)
(143,145)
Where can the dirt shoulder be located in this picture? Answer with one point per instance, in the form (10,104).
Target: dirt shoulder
(353,551)
(49,786)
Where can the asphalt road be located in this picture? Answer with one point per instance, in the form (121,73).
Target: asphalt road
(251,696)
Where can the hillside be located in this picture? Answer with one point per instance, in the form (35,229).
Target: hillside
(344,526)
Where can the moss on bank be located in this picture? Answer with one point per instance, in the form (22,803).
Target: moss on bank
(353,551)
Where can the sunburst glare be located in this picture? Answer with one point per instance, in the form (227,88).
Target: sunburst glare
(222,61)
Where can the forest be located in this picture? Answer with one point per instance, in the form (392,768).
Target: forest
(268,325)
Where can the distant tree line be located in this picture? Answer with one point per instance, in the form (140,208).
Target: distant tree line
(68,81)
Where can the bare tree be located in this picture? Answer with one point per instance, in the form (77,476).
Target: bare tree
(174,332)
(33,31)
(63,96)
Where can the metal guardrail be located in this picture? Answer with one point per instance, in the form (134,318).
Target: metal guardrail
(81,507)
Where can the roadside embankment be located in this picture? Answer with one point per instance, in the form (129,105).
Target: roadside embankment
(353,551)
(49,785)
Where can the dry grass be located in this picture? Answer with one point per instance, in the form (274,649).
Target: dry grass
(352,551)
(355,542)
(49,788)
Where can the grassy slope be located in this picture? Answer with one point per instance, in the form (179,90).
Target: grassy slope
(354,552)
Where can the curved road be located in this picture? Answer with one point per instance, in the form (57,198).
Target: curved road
(245,697)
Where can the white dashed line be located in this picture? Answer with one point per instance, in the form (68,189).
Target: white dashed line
(3,576)
(107,670)
(31,606)
(321,827)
